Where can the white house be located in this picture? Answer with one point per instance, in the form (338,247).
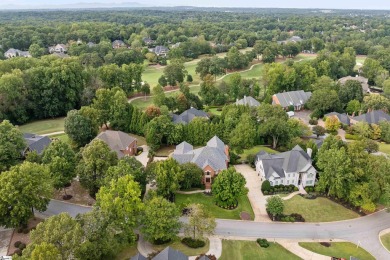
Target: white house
(292,167)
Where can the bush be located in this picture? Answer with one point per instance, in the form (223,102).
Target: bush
(265,192)
(18,252)
(297,217)
(26,230)
(313,121)
(262,242)
(251,159)
(351,137)
(325,244)
(316,114)
(140,149)
(22,246)
(296,188)
(266,186)
(193,243)
(17,244)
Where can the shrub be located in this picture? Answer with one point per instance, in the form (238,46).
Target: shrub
(296,188)
(18,252)
(297,217)
(316,114)
(22,246)
(351,137)
(17,244)
(265,192)
(266,186)
(140,149)
(193,243)
(219,109)
(325,244)
(26,230)
(262,242)
(251,159)
(313,121)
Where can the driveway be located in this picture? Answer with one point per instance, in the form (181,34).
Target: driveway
(5,239)
(256,197)
(303,115)
(143,157)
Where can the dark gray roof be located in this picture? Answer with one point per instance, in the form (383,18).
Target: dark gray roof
(343,118)
(138,257)
(116,140)
(373,117)
(118,43)
(36,142)
(248,101)
(295,160)
(188,115)
(170,254)
(160,50)
(293,98)
(213,154)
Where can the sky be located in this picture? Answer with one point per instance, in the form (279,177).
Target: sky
(328,4)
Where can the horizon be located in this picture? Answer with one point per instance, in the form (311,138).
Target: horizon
(280,4)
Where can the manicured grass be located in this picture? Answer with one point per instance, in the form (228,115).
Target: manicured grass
(215,111)
(165,151)
(62,137)
(208,201)
(44,126)
(127,252)
(384,148)
(318,210)
(140,139)
(255,150)
(178,245)
(340,249)
(386,240)
(248,250)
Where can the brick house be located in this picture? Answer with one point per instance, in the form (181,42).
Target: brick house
(296,99)
(119,142)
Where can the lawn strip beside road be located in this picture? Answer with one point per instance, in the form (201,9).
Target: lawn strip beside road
(338,249)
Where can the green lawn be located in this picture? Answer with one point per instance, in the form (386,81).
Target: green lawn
(165,151)
(140,139)
(243,205)
(62,137)
(248,250)
(386,240)
(178,245)
(127,252)
(44,126)
(384,148)
(318,210)
(215,111)
(339,249)
(255,150)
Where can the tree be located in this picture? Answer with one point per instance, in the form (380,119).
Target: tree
(353,107)
(22,189)
(168,177)
(385,131)
(11,145)
(192,176)
(45,251)
(227,187)
(61,231)
(275,206)
(145,89)
(79,128)
(36,51)
(386,88)
(362,129)
(162,81)
(352,90)
(175,72)
(324,101)
(244,134)
(376,102)
(61,160)
(200,222)
(160,220)
(96,158)
(332,124)
(157,131)
(370,69)
(158,96)
(102,103)
(189,78)
(319,130)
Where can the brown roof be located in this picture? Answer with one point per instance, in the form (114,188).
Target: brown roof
(116,140)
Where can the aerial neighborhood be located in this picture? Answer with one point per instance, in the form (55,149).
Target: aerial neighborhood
(175,133)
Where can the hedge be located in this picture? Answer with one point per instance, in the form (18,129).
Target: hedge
(262,242)
(193,243)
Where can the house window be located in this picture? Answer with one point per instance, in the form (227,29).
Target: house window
(288,181)
(309,182)
(207,173)
(276,182)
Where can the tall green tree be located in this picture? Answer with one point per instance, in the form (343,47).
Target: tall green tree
(244,135)
(200,222)
(11,145)
(228,187)
(22,189)
(168,177)
(79,128)
(192,176)
(275,206)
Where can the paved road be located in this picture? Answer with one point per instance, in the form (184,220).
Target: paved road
(363,231)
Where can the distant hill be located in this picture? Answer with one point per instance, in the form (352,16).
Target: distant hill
(81,5)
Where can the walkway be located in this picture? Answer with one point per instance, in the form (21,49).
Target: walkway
(295,248)
(289,196)
(255,196)
(143,157)
(5,239)
(54,133)
(190,192)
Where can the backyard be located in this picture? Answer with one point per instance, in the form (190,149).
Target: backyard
(255,150)
(384,148)
(340,249)
(248,250)
(44,126)
(208,201)
(318,210)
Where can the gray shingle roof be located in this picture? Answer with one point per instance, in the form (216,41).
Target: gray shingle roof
(188,115)
(296,160)
(248,101)
(36,142)
(213,154)
(170,254)
(362,80)
(116,140)
(373,117)
(293,98)
(160,50)
(343,118)
(138,257)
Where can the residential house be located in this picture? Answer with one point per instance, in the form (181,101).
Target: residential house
(59,48)
(11,53)
(342,118)
(35,143)
(167,254)
(248,101)
(293,39)
(292,167)
(118,44)
(188,115)
(160,50)
(148,41)
(119,142)
(373,117)
(296,99)
(212,158)
(362,80)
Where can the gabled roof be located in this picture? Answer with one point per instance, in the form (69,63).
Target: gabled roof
(160,49)
(213,154)
(248,101)
(116,140)
(294,161)
(118,43)
(138,257)
(36,142)
(373,117)
(343,118)
(293,98)
(170,254)
(188,115)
